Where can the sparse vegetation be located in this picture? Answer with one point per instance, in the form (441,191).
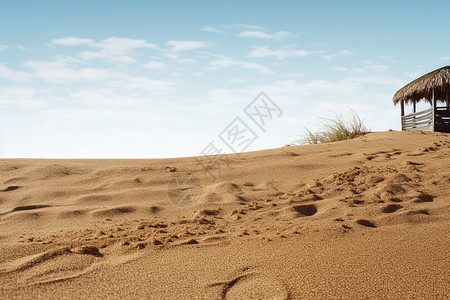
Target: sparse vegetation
(334,130)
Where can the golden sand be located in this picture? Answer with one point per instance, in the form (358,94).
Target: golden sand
(361,219)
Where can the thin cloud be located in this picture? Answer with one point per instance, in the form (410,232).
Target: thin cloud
(118,49)
(381,80)
(58,72)
(14,76)
(112,48)
(22,96)
(378,68)
(264,35)
(177,46)
(152,85)
(23,48)
(259,52)
(349,70)
(238,80)
(243,26)
(72,41)
(211,29)
(344,53)
(337,54)
(225,63)
(106,97)
(179,59)
(388,58)
(370,65)
(155,65)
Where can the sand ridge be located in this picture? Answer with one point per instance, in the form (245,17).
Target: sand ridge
(64,220)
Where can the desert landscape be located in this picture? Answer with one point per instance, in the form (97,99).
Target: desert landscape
(362,218)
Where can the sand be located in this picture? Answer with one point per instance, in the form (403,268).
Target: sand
(361,219)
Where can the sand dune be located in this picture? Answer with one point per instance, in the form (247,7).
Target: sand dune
(364,218)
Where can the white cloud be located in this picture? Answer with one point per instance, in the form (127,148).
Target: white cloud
(105,97)
(344,53)
(264,35)
(206,54)
(58,71)
(381,80)
(339,53)
(259,51)
(3,47)
(89,118)
(180,60)
(155,65)
(121,45)
(349,70)
(21,96)
(243,26)
(72,41)
(224,63)
(315,88)
(370,65)
(445,58)
(152,85)
(293,94)
(116,49)
(23,48)
(18,92)
(278,53)
(388,58)
(186,45)
(212,29)
(255,34)
(378,68)
(14,76)
(238,80)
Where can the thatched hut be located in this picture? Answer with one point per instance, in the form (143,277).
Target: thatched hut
(433,88)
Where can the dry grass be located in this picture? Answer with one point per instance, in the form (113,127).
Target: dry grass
(334,130)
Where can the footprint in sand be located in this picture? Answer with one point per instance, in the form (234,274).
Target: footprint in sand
(391,208)
(53,265)
(184,189)
(249,284)
(419,212)
(28,207)
(11,188)
(305,210)
(424,197)
(366,223)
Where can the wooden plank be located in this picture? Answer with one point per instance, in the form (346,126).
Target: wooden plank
(422,120)
(447,96)
(419,120)
(428,110)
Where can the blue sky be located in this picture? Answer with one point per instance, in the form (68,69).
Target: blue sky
(147,79)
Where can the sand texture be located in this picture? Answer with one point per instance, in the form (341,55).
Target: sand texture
(361,219)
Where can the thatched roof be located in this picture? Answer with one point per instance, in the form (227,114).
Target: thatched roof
(422,88)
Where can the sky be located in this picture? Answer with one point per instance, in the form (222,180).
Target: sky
(157,79)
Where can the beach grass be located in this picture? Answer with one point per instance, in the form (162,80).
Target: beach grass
(337,129)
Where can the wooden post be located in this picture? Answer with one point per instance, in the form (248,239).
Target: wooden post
(414,106)
(434,112)
(402,106)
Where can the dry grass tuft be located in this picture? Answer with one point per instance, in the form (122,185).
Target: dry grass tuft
(334,130)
